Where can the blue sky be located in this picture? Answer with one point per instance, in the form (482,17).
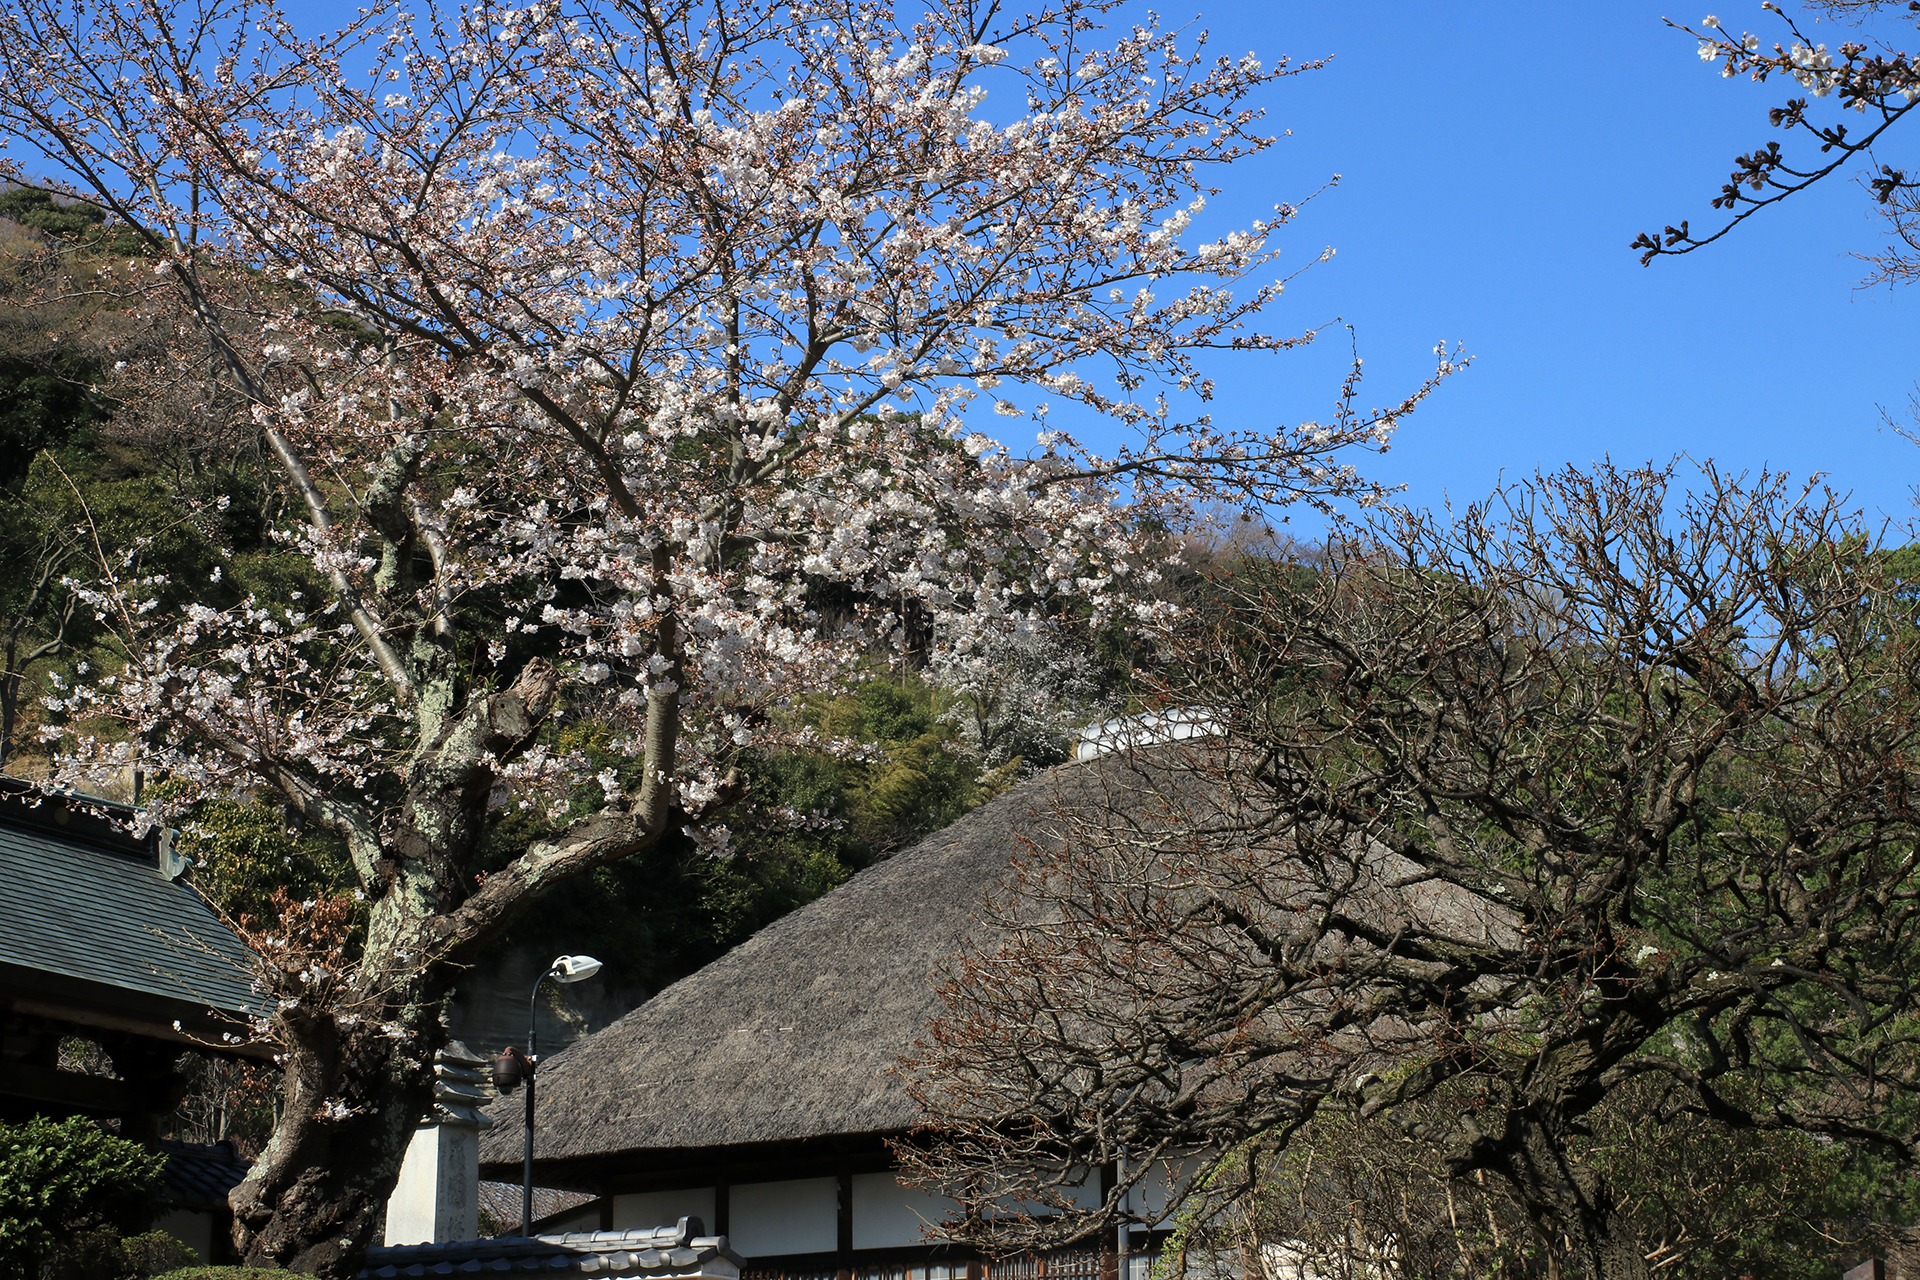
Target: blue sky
(1496,160)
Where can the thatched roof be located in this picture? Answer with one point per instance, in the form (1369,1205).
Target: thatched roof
(793,1035)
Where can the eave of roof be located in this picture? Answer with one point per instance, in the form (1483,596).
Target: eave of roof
(88,918)
(199,1175)
(792,1037)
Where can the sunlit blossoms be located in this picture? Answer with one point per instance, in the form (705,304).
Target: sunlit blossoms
(687,325)
(1876,81)
(599,343)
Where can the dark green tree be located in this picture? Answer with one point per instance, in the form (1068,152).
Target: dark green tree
(62,1180)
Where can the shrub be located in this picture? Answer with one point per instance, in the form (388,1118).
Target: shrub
(66,1182)
(157,1252)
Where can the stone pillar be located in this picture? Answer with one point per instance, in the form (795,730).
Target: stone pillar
(437,1200)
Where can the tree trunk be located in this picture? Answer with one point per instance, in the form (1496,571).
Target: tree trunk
(9,698)
(358,1075)
(1604,1238)
(1565,1196)
(353,1094)
(359,1048)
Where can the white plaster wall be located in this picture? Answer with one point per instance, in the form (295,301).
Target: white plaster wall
(1285,1261)
(642,1209)
(801,1216)
(587,1219)
(1084,1195)
(1153,1192)
(887,1215)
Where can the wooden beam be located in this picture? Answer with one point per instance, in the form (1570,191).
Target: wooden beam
(672,1170)
(1110,1251)
(844,1224)
(66,1088)
(81,1017)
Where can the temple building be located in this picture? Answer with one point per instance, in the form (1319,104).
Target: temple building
(759,1094)
(102,940)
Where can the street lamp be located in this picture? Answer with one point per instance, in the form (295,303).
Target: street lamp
(512,1068)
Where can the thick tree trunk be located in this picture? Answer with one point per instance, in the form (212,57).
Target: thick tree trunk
(1565,1196)
(359,1057)
(358,1075)
(352,1094)
(9,699)
(360,1043)
(1620,1258)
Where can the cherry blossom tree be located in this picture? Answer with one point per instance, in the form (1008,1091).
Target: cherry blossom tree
(594,339)
(1020,697)
(1870,85)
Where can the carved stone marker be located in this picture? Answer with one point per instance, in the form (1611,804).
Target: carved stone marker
(1871,1269)
(437,1198)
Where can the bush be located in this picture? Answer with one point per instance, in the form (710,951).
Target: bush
(228,1273)
(157,1252)
(69,1183)
(99,1253)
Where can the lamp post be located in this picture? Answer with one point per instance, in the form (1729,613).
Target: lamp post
(513,1068)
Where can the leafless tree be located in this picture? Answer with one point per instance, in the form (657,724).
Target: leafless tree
(1599,782)
(226,1100)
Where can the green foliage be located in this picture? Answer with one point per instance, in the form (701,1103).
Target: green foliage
(1707,1201)
(48,365)
(741,896)
(71,508)
(85,481)
(69,220)
(44,403)
(39,210)
(1736,1202)
(101,1254)
(156,1252)
(1902,567)
(667,910)
(882,710)
(64,1182)
(243,850)
(919,779)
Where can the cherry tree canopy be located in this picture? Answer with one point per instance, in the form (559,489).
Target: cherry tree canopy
(711,290)
(595,340)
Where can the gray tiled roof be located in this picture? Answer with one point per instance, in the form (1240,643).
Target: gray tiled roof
(660,1253)
(501,1201)
(199,1175)
(84,901)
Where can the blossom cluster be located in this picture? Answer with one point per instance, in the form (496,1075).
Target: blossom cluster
(629,344)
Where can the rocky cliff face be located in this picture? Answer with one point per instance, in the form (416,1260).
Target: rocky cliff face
(489,1007)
